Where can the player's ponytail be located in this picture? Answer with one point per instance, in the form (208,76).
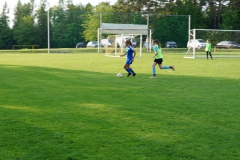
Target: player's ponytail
(157,42)
(128,42)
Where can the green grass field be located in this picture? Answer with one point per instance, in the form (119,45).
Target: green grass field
(73,107)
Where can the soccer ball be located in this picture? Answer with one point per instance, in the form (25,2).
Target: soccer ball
(119,75)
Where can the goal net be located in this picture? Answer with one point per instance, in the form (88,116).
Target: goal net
(114,45)
(225,43)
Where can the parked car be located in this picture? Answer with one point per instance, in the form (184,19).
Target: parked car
(107,42)
(147,44)
(121,40)
(80,45)
(134,42)
(171,44)
(93,44)
(198,43)
(227,44)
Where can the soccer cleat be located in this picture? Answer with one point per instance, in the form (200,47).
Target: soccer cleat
(134,74)
(128,74)
(172,67)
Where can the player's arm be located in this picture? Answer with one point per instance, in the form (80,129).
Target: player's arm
(134,54)
(123,55)
(155,54)
(156,51)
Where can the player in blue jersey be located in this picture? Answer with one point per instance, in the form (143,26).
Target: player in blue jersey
(130,52)
(158,58)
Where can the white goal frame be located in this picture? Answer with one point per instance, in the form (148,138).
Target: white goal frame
(123,29)
(192,35)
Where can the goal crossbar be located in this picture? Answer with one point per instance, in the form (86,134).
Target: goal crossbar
(219,30)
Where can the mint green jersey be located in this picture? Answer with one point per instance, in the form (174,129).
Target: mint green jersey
(159,50)
(208,47)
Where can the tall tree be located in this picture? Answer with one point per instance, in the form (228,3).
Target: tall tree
(25,33)
(41,25)
(58,25)
(6,39)
(92,21)
(67,20)
(217,7)
(74,23)
(24,28)
(189,7)
(230,20)
(234,5)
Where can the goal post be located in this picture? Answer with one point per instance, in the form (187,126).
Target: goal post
(225,43)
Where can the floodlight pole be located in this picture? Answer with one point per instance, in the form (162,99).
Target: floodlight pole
(141,45)
(99,32)
(122,43)
(115,45)
(99,37)
(148,20)
(150,44)
(189,27)
(48,31)
(148,33)
(194,43)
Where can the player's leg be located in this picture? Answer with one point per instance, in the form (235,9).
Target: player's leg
(164,67)
(131,70)
(210,54)
(154,69)
(127,67)
(207,54)
(172,67)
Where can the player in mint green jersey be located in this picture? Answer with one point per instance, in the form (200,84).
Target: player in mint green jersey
(208,49)
(158,58)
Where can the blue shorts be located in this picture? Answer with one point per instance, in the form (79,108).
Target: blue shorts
(129,61)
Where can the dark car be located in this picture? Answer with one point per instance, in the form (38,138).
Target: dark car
(171,44)
(80,45)
(227,44)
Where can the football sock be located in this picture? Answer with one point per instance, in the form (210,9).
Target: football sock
(165,67)
(130,69)
(154,71)
(210,54)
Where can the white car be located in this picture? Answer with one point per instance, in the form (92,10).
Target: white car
(107,42)
(93,44)
(147,45)
(121,40)
(198,43)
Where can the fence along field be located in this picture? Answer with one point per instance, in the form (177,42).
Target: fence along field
(73,106)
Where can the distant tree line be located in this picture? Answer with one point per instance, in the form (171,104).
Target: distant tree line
(71,23)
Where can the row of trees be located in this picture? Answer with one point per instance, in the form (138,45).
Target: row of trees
(78,23)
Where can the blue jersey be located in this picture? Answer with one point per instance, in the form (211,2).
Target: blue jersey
(129,52)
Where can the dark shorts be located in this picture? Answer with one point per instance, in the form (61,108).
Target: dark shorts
(158,61)
(129,61)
